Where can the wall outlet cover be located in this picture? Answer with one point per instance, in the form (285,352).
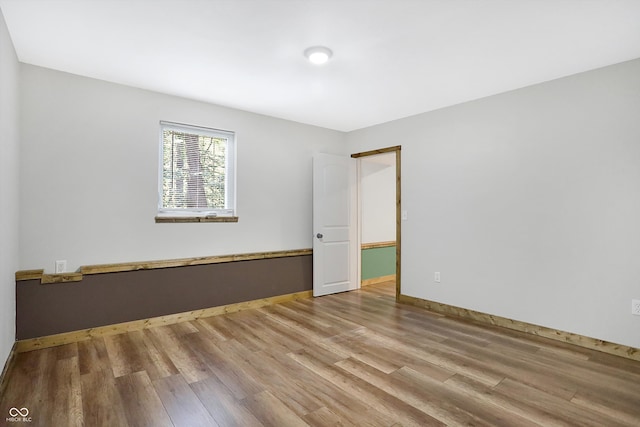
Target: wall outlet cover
(635,307)
(61,266)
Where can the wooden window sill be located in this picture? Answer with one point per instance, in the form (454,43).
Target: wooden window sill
(181,219)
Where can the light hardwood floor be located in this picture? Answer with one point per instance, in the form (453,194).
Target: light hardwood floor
(349,359)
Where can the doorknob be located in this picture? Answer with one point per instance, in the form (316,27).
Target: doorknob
(319,236)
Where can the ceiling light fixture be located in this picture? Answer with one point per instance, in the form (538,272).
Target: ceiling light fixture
(318,54)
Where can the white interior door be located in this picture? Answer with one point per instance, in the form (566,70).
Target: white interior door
(335,237)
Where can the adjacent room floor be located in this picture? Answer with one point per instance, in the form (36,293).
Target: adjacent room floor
(355,358)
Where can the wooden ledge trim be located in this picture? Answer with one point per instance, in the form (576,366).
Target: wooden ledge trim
(183,219)
(529,328)
(185,262)
(137,325)
(151,265)
(60,278)
(373,245)
(29,274)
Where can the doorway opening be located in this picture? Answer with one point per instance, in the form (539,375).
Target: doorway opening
(377,231)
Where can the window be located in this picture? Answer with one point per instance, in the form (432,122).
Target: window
(197,174)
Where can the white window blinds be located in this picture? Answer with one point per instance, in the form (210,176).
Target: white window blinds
(197,170)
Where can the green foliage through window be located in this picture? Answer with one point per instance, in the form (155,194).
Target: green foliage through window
(194,170)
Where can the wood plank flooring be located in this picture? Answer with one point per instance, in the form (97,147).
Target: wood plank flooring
(350,359)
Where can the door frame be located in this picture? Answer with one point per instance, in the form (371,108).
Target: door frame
(397,149)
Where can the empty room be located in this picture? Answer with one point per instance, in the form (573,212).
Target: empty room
(320,213)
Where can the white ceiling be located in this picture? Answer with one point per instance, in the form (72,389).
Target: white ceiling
(392,58)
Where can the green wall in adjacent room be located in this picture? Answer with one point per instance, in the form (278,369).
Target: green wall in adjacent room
(378,262)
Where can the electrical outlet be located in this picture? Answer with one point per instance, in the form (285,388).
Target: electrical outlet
(436,277)
(635,307)
(61,266)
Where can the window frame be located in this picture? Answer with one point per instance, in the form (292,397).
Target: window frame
(228,214)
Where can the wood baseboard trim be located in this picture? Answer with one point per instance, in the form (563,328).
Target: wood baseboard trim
(542,331)
(136,325)
(376,280)
(8,366)
(151,265)
(374,245)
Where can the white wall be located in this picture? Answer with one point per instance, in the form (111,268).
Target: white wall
(378,198)
(528,202)
(89,171)
(9,112)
